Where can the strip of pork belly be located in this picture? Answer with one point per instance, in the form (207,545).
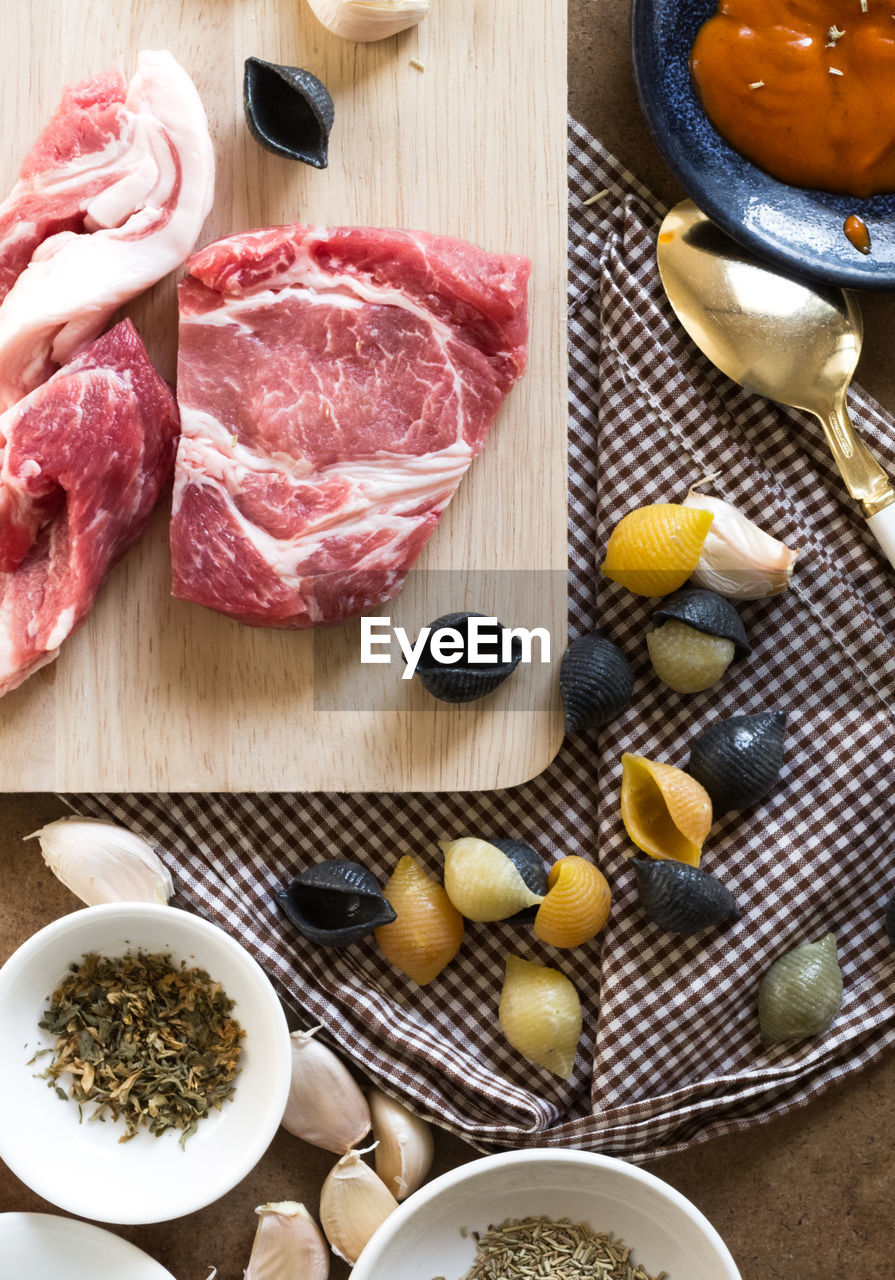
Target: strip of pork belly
(111,198)
(84,458)
(334,388)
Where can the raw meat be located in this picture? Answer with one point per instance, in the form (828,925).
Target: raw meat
(83,460)
(111,198)
(334,386)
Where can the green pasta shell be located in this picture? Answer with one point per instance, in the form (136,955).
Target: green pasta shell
(801,993)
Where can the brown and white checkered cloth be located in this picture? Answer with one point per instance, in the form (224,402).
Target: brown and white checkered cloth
(670,1054)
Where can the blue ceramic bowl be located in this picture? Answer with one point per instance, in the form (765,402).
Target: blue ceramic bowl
(794,227)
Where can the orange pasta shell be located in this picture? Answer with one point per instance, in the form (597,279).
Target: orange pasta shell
(666,812)
(576,906)
(428,931)
(653,550)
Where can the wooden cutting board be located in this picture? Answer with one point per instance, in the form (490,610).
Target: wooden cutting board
(154,694)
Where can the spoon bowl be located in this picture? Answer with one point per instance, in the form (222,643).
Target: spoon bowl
(796,342)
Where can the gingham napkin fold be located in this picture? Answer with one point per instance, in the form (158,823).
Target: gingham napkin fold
(670,1053)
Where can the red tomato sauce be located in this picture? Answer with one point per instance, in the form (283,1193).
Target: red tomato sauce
(804,88)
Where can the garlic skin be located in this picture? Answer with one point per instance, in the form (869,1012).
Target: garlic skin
(288,1245)
(354,1202)
(101,862)
(738,559)
(366,20)
(325,1105)
(405,1147)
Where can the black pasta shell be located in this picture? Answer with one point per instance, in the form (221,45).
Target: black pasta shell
(288,110)
(464,681)
(596,682)
(530,865)
(683,899)
(738,759)
(707,612)
(890,920)
(335,903)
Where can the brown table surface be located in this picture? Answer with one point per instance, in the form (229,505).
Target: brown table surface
(796,1198)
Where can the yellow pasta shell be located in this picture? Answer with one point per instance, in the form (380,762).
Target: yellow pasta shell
(653,550)
(428,931)
(576,906)
(482,882)
(540,1015)
(666,812)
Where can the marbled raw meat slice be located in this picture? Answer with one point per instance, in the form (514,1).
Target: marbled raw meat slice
(111,198)
(82,461)
(334,386)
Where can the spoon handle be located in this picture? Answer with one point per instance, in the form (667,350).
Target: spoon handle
(882,526)
(864,477)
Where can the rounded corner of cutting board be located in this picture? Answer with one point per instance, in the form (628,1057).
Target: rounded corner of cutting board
(516,773)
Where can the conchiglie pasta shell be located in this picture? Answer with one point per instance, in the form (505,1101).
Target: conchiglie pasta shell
(540,1015)
(801,993)
(482,882)
(576,906)
(666,812)
(428,931)
(653,550)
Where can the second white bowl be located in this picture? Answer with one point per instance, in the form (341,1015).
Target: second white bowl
(431,1233)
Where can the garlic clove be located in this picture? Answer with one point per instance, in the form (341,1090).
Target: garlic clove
(739,560)
(288,1245)
(404,1147)
(354,1202)
(102,862)
(325,1105)
(366,20)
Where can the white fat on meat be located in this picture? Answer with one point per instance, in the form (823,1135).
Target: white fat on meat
(145,195)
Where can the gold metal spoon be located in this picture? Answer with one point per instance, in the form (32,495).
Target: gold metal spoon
(792,341)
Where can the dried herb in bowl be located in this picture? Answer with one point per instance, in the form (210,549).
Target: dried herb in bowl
(151,1042)
(563,1250)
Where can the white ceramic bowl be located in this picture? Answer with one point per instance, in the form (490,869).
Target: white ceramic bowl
(82,1167)
(423,1237)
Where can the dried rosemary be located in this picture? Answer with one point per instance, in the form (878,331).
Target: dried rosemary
(149,1042)
(534,1247)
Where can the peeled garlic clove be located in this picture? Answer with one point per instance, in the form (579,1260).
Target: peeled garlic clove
(102,862)
(540,1015)
(288,1245)
(801,993)
(354,1202)
(366,20)
(738,559)
(325,1106)
(404,1147)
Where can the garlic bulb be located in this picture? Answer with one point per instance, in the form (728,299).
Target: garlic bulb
(101,862)
(325,1106)
(288,1245)
(354,1202)
(367,20)
(738,559)
(404,1147)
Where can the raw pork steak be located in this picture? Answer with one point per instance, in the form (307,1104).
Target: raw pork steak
(111,198)
(334,386)
(83,460)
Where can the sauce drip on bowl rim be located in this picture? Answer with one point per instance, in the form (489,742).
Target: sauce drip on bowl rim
(804,88)
(856,233)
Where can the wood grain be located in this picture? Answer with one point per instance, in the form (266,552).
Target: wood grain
(154,694)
